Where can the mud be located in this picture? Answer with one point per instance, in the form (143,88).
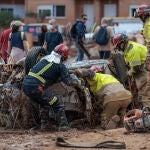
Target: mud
(37,140)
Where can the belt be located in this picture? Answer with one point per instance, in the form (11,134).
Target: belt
(37,77)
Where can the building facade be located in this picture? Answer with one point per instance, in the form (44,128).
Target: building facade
(69,10)
(15,7)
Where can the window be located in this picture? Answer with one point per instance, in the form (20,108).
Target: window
(52,10)
(59,11)
(44,12)
(132,10)
(7,10)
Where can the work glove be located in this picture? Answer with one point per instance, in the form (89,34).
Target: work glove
(81,82)
(131,72)
(79,72)
(83,72)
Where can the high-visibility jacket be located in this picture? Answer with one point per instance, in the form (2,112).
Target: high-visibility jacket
(99,81)
(135,54)
(146,31)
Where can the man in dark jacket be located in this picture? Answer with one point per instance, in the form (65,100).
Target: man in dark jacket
(80,36)
(53,37)
(43,74)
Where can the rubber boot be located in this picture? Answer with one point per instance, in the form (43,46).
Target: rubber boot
(44,117)
(62,120)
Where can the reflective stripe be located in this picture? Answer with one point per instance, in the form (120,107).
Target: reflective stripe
(110,89)
(36,76)
(53,100)
(115,91)
(135,63)
(44,69)
(130,47)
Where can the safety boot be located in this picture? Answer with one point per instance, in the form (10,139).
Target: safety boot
(62,120)
(113,122)
(44,117)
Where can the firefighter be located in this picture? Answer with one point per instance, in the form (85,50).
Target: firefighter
(143,12)
(110,93)
(45,73)
(135,56)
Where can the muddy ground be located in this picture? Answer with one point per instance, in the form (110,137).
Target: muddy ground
(36,140)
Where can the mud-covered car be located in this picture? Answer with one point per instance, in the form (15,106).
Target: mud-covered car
(17,111)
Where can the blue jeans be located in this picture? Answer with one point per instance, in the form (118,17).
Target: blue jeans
(80,53)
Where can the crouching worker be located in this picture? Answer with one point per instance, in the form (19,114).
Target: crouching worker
(110,93)
(43,74)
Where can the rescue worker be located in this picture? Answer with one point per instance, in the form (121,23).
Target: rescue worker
(135,56)
(143,12)
(43,74)
(110,93)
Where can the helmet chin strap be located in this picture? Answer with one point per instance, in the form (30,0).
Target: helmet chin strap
(122,48)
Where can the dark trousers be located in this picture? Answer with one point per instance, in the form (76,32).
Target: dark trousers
(42,96)
(104,54)
(45,98)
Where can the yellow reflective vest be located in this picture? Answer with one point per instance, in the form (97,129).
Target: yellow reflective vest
(146,31)
(135,54)
(99,81)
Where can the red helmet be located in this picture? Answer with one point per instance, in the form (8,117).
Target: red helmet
(120,41)
(63,50)
(143,10)
(119,38)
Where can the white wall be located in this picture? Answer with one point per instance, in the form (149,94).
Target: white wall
(110,10)
(89,10)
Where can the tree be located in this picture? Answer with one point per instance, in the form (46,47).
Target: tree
(31,14)
(6,18)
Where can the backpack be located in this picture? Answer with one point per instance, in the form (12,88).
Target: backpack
(73,31)
(101,37)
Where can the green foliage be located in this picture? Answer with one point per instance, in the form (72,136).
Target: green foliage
(31,14)
(44,13)
(5,19)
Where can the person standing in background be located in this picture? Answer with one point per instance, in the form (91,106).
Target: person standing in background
(4,42)
(80,36)
(41,36)
(52,37)
(105,50)
(17,42)
(116,28)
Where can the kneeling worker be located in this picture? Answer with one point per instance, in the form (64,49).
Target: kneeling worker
(110,93)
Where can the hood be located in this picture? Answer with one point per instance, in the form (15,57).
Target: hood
(53,57)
